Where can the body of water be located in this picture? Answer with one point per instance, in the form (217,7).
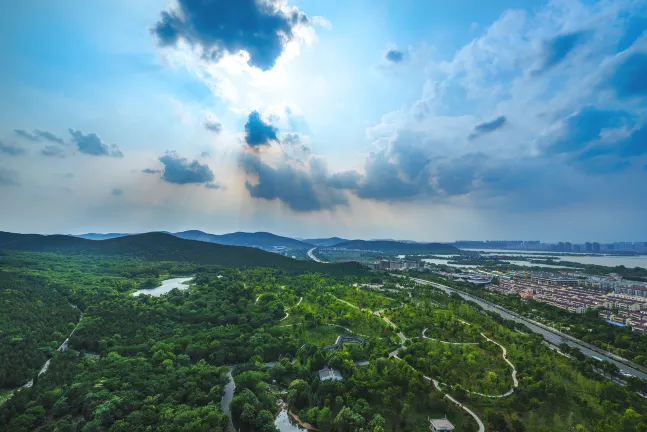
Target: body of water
(282,421)
(167,285)
(446,262)
(604,260)
(285,424)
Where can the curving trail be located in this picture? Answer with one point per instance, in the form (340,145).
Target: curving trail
(505,357)
(446,342)
(463,407)
(287,314)
(292,307)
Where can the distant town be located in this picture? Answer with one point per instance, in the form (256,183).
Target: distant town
(536,245)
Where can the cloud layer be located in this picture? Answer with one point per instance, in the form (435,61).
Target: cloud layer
(257,132)
(179,170)
(91,144)
(219,27)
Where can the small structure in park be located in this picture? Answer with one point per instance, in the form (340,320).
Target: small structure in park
(330,374)
(342,339)
(440,425)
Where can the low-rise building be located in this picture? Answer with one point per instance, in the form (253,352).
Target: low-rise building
(441,425)
(330,374)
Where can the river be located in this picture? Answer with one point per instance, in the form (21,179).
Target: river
(282,421)
(167,285)
(604,260)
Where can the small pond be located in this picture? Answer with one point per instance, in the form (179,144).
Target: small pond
(167,285)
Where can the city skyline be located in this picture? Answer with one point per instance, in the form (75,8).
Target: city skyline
(431,121)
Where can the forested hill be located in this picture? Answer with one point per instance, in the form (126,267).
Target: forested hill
(166,247)
(324,242)
(257,239)
(396,246)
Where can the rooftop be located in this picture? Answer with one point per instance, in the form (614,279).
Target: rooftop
(442,424)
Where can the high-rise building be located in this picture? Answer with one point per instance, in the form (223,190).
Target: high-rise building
(568,246)
(577,248)
(560,247)
(596,247)
(588,246)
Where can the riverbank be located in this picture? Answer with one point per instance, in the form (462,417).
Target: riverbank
(301,423)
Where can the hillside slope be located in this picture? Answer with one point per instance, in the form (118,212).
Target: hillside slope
(158,246)
(396,247)
(324,242)
(256,239)
(98,236)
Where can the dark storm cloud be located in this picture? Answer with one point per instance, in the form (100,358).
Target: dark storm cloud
(257,132)
(301,190)
(213,185)
(8,177)
(26,135)
(213,126)
(344,180)
(117,192)
(628,80)
(11,150)
(180,170)
(554,51)
(91,144)
(53,151)
(219,27)
(394,56)
(633,145)
(384,181)
(585,126)
(151,171)
(457,176)
(487,127)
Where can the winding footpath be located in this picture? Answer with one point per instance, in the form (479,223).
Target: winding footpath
(550,334)
(424,336)
(287,314)
(394,354)
(43,369)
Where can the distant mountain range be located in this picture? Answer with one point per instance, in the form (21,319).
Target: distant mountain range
(257,239)
(396,246)
(157,246)
(266,240)
(97,236)
(325,241)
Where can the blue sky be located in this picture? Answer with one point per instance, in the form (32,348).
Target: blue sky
(426,120)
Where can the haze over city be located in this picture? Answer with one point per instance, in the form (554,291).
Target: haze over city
(429,121)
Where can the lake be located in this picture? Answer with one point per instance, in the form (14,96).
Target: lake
(604,260)
(167,285)
(446,262)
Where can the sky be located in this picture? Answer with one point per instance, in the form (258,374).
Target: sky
(422,120)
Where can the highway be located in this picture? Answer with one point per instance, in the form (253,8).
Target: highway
(313,257)
(551,335)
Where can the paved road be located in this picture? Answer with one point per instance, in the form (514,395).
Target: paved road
(551,336)
(313,257)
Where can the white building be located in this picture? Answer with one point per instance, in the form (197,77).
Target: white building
(330,374)
(441,425)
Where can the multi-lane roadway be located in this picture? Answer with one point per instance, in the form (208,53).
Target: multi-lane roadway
(551,335)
